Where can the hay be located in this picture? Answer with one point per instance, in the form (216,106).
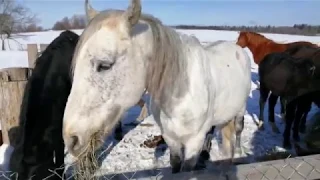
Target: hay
(87,163)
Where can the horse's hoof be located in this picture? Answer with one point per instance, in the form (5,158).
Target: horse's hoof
(238,152)
(287,145)
(302,129)
(275,128)
(118,136)
(296,138)
(175,170)
(261,126)
(204,155)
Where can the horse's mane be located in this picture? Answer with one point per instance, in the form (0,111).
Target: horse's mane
(168,61)
(256,38)
(45,89)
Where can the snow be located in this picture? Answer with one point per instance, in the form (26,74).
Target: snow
(5,154)
(128,155)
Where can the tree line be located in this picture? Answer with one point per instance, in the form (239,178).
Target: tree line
(15,17)
(299,29)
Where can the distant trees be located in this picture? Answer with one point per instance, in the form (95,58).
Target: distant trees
(301,29)
(13,18)
(75,22)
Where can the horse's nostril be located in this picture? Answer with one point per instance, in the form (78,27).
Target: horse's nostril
(74,141)
(74,144)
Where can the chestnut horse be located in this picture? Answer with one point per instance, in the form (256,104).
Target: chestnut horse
(260,46)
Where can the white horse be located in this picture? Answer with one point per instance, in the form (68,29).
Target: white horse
(120,53)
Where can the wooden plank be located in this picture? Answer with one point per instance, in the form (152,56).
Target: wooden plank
(32,54)
(12,84)
(14,74)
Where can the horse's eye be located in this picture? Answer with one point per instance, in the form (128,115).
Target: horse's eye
(103,67)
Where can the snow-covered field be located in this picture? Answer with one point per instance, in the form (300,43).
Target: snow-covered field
(128,155)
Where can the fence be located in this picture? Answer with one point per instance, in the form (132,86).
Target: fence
(12,84)
(307,167)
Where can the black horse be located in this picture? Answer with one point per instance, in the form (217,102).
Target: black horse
(39,140)
(303,51)
(293,80)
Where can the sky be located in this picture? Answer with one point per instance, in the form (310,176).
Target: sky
(192,12)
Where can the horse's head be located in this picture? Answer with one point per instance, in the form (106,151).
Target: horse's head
(242,39)
(108,76)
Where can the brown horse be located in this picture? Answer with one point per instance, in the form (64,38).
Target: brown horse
(260,46)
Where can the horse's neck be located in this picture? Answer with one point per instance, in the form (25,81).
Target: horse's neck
(256,51)
(259,51)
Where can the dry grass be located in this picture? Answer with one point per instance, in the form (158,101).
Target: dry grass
(87,162)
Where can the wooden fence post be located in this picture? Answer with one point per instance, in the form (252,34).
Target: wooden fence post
(32,54)
(43,47)
(12,84)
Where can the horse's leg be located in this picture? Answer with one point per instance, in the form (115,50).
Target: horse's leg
(192,149)
(290,113)
(302,127)
(227,132)
(264,92)
(205,153)
(300,111)
(283,108)
(118,132)
(239,125)
(175,153)
(144,110)
(272,103)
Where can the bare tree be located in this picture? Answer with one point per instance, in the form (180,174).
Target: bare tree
(78,21)
(75,22)
(12,17)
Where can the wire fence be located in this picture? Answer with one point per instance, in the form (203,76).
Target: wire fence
(306,167)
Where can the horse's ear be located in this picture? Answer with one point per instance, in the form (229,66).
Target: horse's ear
(133,12)
(90,12)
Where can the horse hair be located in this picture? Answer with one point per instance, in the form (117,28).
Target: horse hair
(39,137)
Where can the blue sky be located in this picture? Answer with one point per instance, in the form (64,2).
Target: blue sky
(197,12)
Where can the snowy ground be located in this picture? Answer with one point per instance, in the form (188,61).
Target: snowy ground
(128,155)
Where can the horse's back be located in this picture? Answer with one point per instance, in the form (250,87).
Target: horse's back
(231,55)
(281,72)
